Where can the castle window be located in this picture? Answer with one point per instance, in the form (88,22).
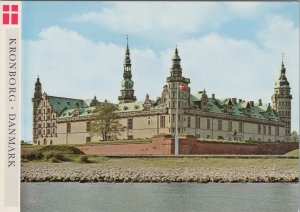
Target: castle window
(68,127)
(162,121)
(39,118)
(48,124)
(220,125)
(197,119)
(39,111)
(88,139)
(265,129)
(259,129)
(39,132)
(44,132)
(45,142)
(88,126)
(208,124)
(48,110)
(269,130)
(39,125)
(189,121)
(229,126)
(129,124)
(51,142)
(53,131)
(148,122)
(173,104)
(44,125)
(240,126)
(44,110)
(53,124)
(48,131)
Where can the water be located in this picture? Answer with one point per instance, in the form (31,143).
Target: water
(89,197)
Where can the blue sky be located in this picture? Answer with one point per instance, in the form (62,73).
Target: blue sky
(232,49)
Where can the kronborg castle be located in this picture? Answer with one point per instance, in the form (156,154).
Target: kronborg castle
(61,120)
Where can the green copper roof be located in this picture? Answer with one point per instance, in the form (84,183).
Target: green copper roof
(60,104)
(263,112)
(132,106)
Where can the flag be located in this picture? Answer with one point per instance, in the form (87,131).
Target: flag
(183,87)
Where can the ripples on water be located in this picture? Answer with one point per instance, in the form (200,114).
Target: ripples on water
(90,197)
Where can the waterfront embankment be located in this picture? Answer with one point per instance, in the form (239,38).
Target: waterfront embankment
(202,170)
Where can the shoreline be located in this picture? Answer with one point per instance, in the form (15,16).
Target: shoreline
(92,173)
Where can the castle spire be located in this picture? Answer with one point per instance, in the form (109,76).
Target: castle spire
(127,61)
(37,89)
(176,69)
(282,70)
(127,92)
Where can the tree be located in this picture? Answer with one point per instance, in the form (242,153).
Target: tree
(294,136)
(105,122)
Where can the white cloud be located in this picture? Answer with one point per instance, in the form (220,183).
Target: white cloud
(144,17)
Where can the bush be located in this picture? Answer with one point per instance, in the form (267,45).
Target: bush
(54,160)
(61,149)
(35,155)
(48,155)
(83,159)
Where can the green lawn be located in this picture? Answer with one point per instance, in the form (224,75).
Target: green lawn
(293,153)
(202,162)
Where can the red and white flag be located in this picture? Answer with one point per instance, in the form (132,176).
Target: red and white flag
(183,87)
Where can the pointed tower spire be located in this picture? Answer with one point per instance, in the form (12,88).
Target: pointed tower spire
(127,92)
(37,89)
(281,99)
(176,69)
(282,70)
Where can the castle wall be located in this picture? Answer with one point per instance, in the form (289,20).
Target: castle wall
(189,146)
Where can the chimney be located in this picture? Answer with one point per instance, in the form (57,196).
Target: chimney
(233,101)
(252,103)
(259,102)
(240,100)
(213,96)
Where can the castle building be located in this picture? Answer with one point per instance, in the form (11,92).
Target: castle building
(60,120)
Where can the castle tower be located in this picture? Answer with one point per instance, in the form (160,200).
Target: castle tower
(169,94)
(175,79)
(127,92)
(281,99)
(37,97)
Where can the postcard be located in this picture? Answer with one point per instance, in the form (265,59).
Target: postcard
(149,106)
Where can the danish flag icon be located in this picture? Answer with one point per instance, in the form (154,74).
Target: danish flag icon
(10,14)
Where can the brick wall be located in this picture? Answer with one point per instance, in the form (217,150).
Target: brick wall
(158,146)
(164,145)
(192,147)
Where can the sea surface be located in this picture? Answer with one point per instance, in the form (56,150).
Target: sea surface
(231,197)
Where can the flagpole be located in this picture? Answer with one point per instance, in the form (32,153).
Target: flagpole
(176,124)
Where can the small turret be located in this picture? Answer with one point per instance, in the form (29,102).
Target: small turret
(37,89)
